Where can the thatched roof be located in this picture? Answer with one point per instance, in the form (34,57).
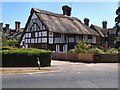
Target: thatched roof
(63,24)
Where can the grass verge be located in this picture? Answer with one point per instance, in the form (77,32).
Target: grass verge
(20,70)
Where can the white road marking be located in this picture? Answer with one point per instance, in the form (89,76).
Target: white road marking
(89,65)
(50,74)
(78,72)
(87,84)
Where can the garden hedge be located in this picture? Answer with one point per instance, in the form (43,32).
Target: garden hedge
(25,57)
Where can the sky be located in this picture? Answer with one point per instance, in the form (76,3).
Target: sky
(95,11)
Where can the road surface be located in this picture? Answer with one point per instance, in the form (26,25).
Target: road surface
(67,75)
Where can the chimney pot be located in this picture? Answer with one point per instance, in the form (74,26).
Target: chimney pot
(7,26)
(86,21)
(17,25)
(66,10)
(104,24)
(1,26)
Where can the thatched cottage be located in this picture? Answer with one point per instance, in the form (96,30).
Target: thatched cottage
(56,32)
(61,32)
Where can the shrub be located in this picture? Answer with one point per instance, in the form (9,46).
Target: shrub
(111,51)
(26,57)
(71,51)
(4,40)
(119,49)
(12,42)
(96,51)
(82,47)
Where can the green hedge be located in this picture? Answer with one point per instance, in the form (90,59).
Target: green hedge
(25,57)
(7,48)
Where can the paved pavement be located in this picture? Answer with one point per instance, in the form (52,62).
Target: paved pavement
(67,75)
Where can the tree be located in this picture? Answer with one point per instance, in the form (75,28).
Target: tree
(117,20)
(4,40)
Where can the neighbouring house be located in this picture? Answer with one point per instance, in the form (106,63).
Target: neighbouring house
(12,34)
(107,35)
(56,32)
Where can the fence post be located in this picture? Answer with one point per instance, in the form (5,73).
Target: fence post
(38,62)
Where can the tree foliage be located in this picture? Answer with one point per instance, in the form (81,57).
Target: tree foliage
(4,40)
(117,20)
(118,11)
(12,42)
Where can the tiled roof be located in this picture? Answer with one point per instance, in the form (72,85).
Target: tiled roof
(99,30)
(112,30)
(103,31)
(13,33)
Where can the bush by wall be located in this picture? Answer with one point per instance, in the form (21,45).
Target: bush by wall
(111,51)
(96,51)
(25,57)
(84,47)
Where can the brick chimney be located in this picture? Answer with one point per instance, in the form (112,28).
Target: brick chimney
(66,10)
(7,26)
(1,26)
(17,25)
(86,21)
(104,24)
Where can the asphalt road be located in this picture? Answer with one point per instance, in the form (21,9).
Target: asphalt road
(67,75)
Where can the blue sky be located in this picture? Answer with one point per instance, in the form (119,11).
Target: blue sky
(95,11)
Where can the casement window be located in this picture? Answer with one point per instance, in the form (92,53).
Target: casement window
(57,35)
(32,40)
(44,40)
(39,34)
(106,38)
(85,38)
(29,35)
(36,40)
(79,38)
(71,39)
(94,39)
(32,34)
(39,40)
(57,40)
(57,48)
(89,36)
(36,34)
(62,38)
(44,33)
(28,40)
(89,39)
(26,35)
(50,40)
